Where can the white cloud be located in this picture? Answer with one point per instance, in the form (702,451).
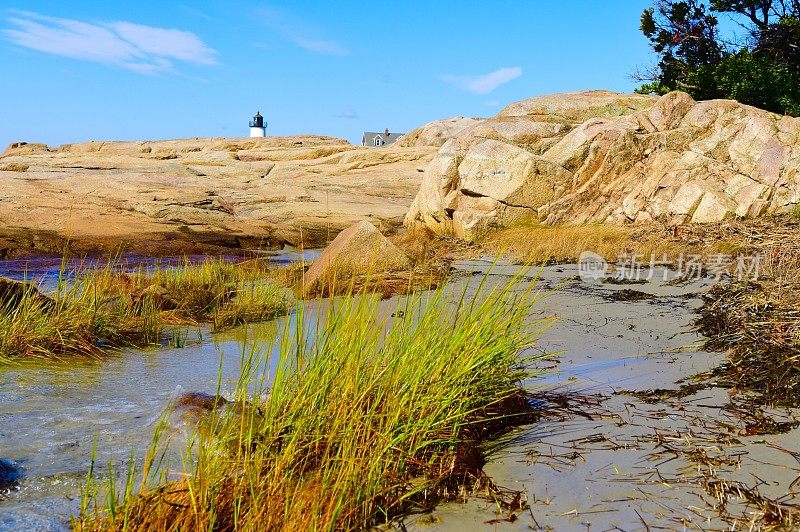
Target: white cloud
(321,47)
(348,113)
(486,83)
(300,32)
(176,44)
(139,48)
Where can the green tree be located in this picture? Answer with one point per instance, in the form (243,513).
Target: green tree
(761,67)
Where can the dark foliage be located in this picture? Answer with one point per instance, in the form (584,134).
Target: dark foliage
(760,67)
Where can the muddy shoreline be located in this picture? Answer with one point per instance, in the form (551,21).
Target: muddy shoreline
(640,451)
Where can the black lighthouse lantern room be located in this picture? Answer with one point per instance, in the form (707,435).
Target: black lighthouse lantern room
(257,121)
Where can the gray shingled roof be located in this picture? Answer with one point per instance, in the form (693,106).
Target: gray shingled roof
(368,138)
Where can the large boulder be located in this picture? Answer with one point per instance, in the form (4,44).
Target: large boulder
(359,249)
(578,106)
(437,132)
(598,156)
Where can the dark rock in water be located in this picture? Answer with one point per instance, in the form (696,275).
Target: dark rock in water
(12,293)
(10,474)
(200,401)
(195,407)
(99,342)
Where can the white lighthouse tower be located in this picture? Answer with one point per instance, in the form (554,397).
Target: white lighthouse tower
(258,128)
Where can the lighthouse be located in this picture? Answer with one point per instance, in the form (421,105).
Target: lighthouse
(258,128)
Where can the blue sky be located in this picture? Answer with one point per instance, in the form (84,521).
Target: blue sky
(82,70)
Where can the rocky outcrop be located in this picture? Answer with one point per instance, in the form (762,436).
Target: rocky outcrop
(574,107)
(598,156)
(199,195)
(437,132)
(358,250)
(25,148)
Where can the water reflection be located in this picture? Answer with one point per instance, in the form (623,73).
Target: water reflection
(46,270)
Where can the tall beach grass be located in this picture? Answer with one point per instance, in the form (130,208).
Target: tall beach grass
(363,418)
(102,307)
(536,243)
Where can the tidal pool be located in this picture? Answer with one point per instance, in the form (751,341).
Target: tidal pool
(46,270)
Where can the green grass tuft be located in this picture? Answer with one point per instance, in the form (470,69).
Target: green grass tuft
(105,308)
(366,418)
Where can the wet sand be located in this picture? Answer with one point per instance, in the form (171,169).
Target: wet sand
(625,464)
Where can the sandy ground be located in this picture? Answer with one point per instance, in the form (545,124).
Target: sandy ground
(624,463)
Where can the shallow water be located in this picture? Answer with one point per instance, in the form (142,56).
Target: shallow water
(46,270)
(51,413)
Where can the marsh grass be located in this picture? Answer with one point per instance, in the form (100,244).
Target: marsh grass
(367,417)
(216,291)
(101,307)
(535,243)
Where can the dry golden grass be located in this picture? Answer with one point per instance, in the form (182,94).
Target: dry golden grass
(757,322)
(563,243)
(14,167)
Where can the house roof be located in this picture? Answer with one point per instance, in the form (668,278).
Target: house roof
(369,137)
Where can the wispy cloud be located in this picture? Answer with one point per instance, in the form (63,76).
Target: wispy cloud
(492,103)
(486,83)
(300,32)
(142,49)
(348,113)
(321,46)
